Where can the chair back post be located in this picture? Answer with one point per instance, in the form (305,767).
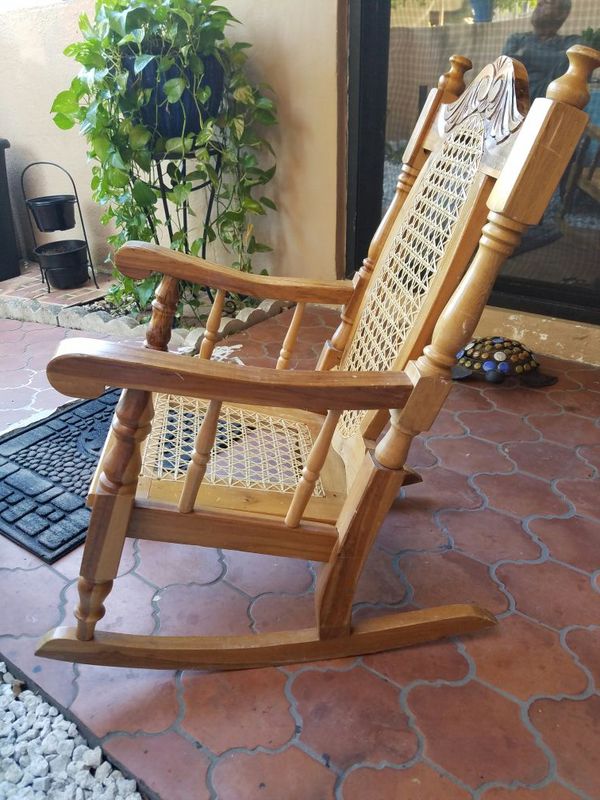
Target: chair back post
(551,129)
(450,87)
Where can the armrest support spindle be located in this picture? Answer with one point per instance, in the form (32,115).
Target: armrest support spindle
(211,334)
(290,338)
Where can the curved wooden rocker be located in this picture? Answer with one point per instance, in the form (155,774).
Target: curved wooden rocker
(296,470)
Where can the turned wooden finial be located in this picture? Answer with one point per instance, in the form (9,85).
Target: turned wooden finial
(453,81)
(571,87)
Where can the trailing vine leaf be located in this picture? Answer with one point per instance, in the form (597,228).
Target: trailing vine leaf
(141,62)
(143,194)
(174,89)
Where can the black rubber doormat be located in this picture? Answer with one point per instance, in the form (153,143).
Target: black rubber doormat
(45,473)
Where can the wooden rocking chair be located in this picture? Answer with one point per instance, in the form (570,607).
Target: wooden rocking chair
(296,470)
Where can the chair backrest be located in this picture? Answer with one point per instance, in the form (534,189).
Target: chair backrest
(437,228)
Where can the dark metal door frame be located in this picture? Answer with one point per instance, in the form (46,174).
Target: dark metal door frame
(369,35)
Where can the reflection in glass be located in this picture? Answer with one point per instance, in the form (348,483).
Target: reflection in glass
(556,271)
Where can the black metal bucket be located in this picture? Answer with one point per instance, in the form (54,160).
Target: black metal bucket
(55,212)
(65,263)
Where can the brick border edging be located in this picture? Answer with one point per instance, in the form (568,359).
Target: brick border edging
(79,318)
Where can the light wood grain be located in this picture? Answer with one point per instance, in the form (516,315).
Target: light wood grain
(112,510)
(84,368)
(140,259)
(233,530)
(164,306)
(249,652)
(211,334)
(291,337)
(508,189)
(312,470)
(200,457)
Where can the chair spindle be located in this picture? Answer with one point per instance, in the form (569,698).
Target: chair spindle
(211,334)
(312,470)
(200,457)
(290,338)
(164,306)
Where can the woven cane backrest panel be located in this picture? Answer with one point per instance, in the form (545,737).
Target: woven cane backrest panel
(400,285)
(252,450)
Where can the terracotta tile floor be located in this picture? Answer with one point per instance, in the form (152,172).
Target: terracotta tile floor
(507,516)
(29,285)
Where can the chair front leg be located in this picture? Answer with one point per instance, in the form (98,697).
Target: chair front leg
(113,502)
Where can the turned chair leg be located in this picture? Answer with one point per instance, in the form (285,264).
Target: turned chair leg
(357,530)
(113,503)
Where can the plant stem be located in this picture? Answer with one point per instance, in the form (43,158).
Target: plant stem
(163,194)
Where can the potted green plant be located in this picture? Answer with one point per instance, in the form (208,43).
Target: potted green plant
(168,110)
(591,38)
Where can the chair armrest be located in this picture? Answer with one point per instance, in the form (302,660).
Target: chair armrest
(85,367)
(140,259)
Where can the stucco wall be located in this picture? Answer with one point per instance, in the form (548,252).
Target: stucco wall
(294,51)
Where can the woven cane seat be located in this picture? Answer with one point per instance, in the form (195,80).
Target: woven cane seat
(252,449)
(256,461)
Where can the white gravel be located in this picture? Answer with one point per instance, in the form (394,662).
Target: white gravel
(44,757)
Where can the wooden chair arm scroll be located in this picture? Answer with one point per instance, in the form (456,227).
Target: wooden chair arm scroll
(84,368)
(140,259)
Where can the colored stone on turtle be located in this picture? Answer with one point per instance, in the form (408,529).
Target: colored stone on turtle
(497,358)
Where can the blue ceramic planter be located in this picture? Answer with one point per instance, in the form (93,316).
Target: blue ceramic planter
(170,120)
(483,10)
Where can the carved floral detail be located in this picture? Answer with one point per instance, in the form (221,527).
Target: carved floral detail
(498,95)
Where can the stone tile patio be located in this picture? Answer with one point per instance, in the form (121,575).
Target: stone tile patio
(29,286)
(507,516)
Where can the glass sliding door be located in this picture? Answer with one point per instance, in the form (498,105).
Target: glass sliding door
(556,271)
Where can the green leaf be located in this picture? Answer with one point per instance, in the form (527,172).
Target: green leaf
(250,204)
(143,158)
(180,193)
(174,145)
(265,117)
(141,62)
(268,203)
(136,18)
(65,103)
(196,65)
(139,136)
(118,21)
(143,193)
(206,133)
(101,146)
(185,16)
(197,175)
(144,290)
(117,161)
(63,121)
(265,103)
(238,125)
(174,88)
(244,94)
(165,63)
(212,174)
(117,177)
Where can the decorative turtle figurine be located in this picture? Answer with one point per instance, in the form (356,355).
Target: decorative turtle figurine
(497,358)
